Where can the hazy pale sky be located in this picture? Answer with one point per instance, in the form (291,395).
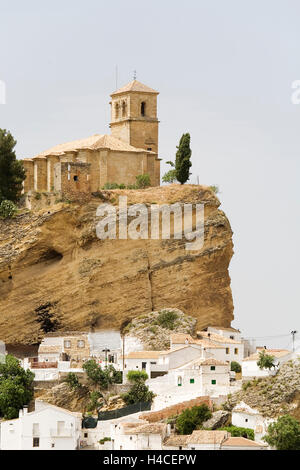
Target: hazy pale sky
(224,70)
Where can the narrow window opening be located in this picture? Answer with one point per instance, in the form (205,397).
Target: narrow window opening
(143,108)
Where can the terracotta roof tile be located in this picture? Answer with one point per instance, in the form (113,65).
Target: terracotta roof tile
(277,353)
(242,442)
(207,437)
(134,86)
(94,142)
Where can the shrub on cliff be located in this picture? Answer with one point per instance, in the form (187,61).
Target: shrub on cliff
(12,172)
(192,418)
(16,387)
(142,181)
(7,209)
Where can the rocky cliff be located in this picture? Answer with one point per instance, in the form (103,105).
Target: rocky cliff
(56,274)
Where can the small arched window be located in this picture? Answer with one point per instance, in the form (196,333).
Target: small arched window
(143,108)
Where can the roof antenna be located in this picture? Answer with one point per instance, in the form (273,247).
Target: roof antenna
(134,75)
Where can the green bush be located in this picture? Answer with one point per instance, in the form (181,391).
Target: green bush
(239,432)
(7,209)
(137,375)
(72,380)
(102,441)
(167,319)
(143,181)
(235,367)
(139,391)
(192,418)
(246,385)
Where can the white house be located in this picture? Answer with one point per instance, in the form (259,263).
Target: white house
(197,378)
(210,440)
(229,332)
(160,361)
(246,417)
(134,436)
(48,427)
(234,348)
(251,369)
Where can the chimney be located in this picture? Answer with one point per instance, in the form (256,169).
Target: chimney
(25,410)
(20,413)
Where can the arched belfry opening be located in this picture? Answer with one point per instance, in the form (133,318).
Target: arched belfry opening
(116,110)
(143,108)
(124,109)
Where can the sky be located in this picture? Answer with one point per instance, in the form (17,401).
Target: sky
(224,71)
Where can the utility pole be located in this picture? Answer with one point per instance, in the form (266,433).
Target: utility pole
(293,333)
(106,351)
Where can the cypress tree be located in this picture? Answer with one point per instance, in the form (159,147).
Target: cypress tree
(183,159)
(12,172)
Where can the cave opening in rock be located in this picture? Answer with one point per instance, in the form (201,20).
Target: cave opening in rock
(51,255)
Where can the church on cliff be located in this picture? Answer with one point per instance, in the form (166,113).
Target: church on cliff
(86,165)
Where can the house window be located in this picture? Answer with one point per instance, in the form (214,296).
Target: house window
(180,447)
(231,337)
(246,420)
(212,367)
(80,343)
(143,108)
(130,438)
(85,434)
(67,344)
(213,382)
(179,381)
(35,429)
(75,178)
(149,149)
(192,381)
(144,365)
(153,363)
(227,350)
(36,442)
(52,445)
(236,350)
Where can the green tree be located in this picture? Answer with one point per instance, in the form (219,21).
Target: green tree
(265,361)
(139,391)
(235,367)
(12,172)
(170,176)
(192,418)
(183,159)
(16,387)
(284,434)
(101,377)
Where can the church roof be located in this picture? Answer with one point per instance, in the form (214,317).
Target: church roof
(134,86)
(95,142)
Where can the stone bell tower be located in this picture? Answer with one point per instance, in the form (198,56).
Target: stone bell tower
(134,116)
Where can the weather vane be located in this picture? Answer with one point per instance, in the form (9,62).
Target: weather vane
(134,75)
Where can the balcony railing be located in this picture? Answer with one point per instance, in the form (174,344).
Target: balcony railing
(43,365)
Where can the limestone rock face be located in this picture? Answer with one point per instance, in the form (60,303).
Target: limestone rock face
(219,418)
(55,272)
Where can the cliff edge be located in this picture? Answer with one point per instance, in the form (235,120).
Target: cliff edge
(55,274)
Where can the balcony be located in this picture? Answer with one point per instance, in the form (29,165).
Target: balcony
(43,365)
